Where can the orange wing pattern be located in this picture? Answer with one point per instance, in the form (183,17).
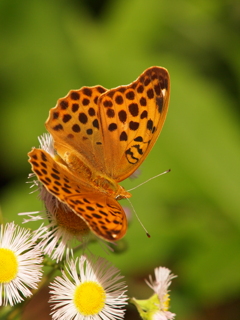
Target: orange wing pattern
(103,214)
(102,136)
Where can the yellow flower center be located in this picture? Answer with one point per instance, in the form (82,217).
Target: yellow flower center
(166,302)
(8,265)
(89,298)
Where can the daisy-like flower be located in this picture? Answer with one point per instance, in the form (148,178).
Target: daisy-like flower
(63,225)
(20,264)
(156,307)
(88,290)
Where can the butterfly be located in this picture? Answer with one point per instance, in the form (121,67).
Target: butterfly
(100,138)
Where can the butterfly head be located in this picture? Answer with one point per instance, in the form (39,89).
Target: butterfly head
(122,193)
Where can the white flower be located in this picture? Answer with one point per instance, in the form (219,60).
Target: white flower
(160,315)
(20,264)
(160,286)
(46,143)
(89,290)
(156,307)
(63,225)
(161,283)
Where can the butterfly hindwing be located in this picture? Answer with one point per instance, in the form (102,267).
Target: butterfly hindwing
(103,214)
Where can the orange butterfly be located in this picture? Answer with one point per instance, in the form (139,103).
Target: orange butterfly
(101,137)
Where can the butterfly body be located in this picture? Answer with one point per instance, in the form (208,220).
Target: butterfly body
(98,180)
(100,138)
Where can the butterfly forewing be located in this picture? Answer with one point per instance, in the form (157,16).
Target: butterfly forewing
(132,117)
(75,126)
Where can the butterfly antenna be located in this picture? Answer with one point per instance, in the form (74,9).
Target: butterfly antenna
(158,175)
(148,235)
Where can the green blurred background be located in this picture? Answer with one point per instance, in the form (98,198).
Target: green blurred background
(192,213)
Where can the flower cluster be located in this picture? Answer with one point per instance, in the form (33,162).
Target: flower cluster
(88,289)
